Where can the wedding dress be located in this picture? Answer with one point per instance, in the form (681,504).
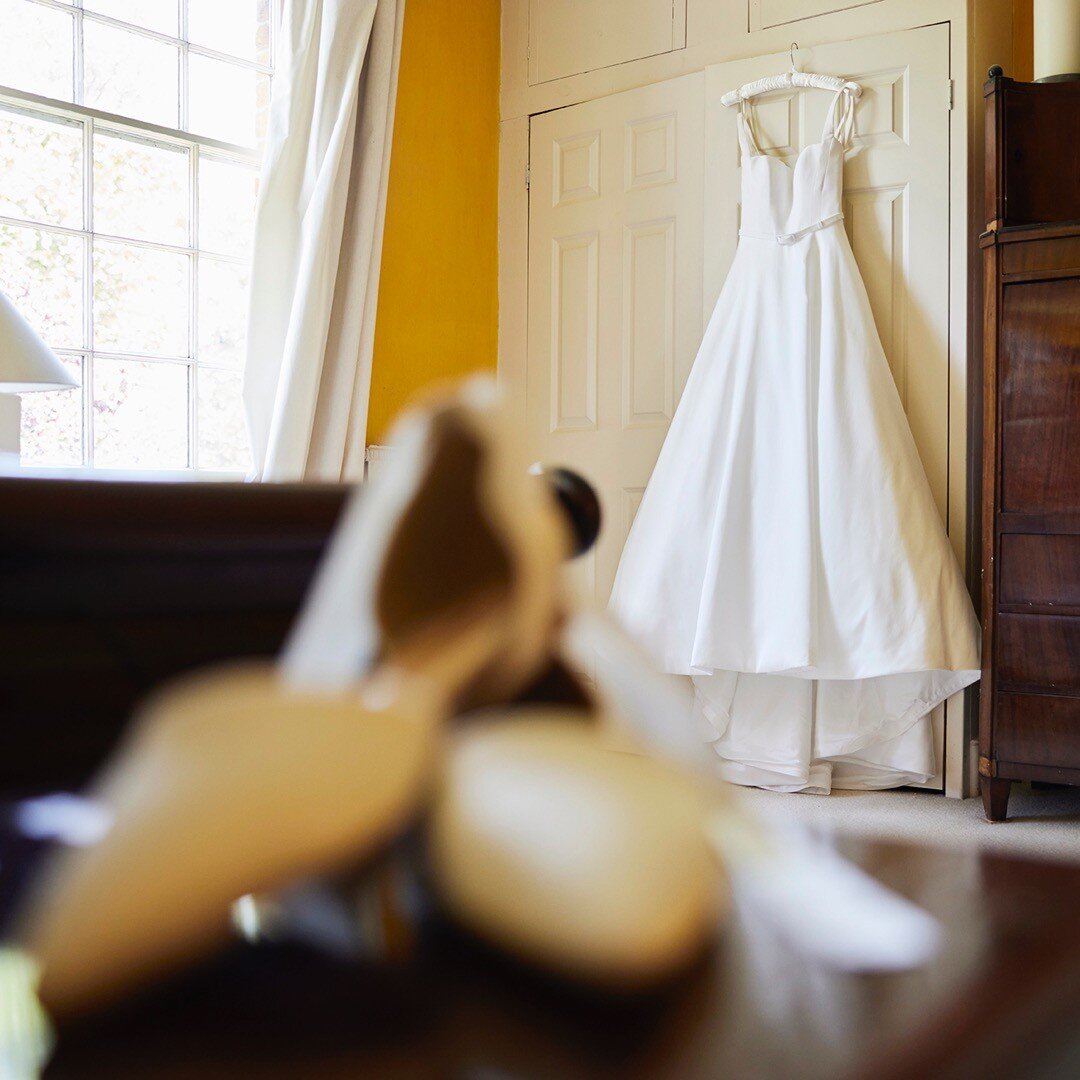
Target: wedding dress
(787,555)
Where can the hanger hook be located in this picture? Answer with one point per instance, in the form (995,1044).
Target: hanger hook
(792,50)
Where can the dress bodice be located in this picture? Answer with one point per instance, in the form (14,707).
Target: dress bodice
(784,203)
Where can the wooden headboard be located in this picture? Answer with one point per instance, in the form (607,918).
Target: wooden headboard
(107,587)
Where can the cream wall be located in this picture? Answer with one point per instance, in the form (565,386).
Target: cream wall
(438,294)
(1023,41)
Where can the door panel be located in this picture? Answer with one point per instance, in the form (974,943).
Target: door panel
(615,256)
(567,37)
(766,13)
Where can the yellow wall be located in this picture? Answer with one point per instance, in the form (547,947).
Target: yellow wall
(1023,58)
(438,295)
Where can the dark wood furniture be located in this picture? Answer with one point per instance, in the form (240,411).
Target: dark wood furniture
(1029,721)
(107,587)
(756,1008)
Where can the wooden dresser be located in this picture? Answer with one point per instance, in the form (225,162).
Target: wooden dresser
(1029,720)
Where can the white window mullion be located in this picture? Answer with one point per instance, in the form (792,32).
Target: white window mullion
(193,303)
(193,416)
(78,65)
(88,288)
(35,102)
(184,67)
(141,358)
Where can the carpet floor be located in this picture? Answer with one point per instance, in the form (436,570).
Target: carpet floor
(1043,823)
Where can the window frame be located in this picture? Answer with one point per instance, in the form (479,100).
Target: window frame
(95,121)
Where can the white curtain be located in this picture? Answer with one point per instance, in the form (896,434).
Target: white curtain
(318,238)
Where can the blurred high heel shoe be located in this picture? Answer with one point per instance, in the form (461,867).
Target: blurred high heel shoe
(598,844)
(440,591)
(558,846)
(440,595)
(454,535)
(230,782)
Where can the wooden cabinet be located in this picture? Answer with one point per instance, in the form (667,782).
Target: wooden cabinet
(1029,721)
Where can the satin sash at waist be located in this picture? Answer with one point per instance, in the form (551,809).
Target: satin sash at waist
(793,237)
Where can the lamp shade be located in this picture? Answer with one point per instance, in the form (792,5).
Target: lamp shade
(1057,40)
(26,362)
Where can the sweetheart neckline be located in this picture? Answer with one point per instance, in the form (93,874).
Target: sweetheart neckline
(798,157)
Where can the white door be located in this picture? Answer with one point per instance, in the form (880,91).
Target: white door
(896,210)
(615,277)
(617,214)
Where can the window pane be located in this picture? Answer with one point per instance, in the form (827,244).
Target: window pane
(222,436)
(160,15)
(140,300)
(140,414)
(129,74)
(237,27)
(36,49)
(226,206)
(223,290)
(42,274)
(222,100)
(41,166)
(140,190)
(52,423)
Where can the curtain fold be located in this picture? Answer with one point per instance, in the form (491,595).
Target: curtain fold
(318,238)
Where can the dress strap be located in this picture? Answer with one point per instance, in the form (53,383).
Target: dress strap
(745,123)
(840,119)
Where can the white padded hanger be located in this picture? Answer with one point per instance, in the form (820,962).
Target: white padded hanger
(788,79)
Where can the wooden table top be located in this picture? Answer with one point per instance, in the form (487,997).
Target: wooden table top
(1002,999)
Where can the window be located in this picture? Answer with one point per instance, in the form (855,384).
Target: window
(129,149)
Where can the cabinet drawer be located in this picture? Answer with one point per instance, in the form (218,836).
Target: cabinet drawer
(1038,652)
(1039,571)
(1057,255)
(1034,730)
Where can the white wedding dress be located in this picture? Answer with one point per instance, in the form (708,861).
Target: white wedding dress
(787,555)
